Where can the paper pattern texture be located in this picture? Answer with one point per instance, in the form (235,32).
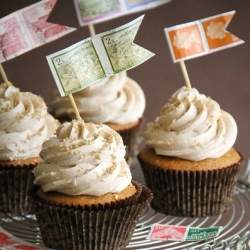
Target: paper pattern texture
(97,57)
(10,242)
(198,38)
(96,11)
(182,233)
(26,29)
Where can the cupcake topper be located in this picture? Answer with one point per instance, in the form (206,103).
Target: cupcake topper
(90,12)
(19,31)
(97,57)
(198,38)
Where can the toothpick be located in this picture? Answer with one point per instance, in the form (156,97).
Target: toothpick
(91,29)
(71,98)
(72,101)
(184,71)
(4,75)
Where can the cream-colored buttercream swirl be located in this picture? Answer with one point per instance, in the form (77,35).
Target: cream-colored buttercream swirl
(191,126)
(24,124)
(117,99)
(84,158)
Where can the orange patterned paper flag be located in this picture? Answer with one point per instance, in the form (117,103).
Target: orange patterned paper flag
(201,37)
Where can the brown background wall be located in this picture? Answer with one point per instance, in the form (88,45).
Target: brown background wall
(224,75)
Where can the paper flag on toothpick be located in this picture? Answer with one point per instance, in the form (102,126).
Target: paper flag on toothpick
(27,29)
(100,56)
(91,12)
(201,37)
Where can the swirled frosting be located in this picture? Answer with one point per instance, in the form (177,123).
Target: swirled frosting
(117,99)
(84,158)
(24,124)
(191,126)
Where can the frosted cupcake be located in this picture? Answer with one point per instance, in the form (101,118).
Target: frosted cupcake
(24,125)
(117,101)
(189,161)
(84,195)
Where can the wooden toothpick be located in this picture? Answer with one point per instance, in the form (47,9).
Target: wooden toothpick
(184,71)
(72,101)
(71,98)
(4,75)
(91,29)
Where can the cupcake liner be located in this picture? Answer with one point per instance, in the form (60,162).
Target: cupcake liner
(130,140)
(190,193)
(74,228)
(14,183)
(96,207)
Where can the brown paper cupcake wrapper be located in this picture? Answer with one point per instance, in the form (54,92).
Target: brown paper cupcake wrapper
(95,207)
(14,183)
(73,228)
(190,193)
(130,140)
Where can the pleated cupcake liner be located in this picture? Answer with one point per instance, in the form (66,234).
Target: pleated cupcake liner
(190,193)
(65,227)
(95,207)
(130,139)
(14,184)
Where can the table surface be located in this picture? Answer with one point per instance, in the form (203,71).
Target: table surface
(235,222)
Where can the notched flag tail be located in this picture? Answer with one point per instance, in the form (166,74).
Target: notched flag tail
(97,57)
(26,29)
(201,37)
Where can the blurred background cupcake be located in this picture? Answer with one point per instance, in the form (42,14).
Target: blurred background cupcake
(24,126)
(84,197)
(188,160)
(117,101)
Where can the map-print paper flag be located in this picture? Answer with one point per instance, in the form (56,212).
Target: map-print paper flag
(96,11)
(201,37)
(26,29)
(100,56)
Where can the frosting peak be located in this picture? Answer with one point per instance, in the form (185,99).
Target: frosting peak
(116,99)
(191,126)
(24,124)
(84,158)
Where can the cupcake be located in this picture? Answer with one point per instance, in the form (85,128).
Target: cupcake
(188,159)
(117,101)
(84,196)
(24,125)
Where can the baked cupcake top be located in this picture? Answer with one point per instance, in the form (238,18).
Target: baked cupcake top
(83,159)
(117,99)
(191,126)
(24,124)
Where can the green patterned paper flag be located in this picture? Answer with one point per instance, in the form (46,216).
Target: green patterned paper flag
(97,57)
